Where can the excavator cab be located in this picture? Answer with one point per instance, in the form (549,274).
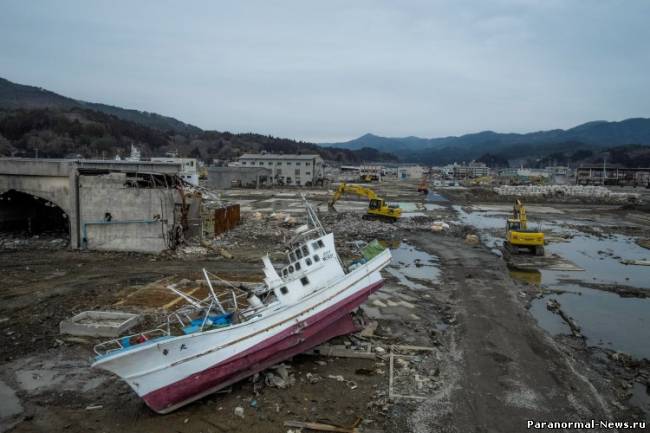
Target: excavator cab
(518,237)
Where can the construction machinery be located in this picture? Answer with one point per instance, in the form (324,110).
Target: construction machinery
(377,207)
(518,237)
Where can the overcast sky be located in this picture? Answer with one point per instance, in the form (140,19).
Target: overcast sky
(334,70)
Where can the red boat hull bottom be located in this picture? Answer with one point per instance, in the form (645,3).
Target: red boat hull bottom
(332,322)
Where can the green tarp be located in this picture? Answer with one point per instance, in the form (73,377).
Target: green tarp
(371,250)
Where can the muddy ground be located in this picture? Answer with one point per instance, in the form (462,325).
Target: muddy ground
(490,364)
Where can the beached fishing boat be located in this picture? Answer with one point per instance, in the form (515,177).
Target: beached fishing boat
(212,343)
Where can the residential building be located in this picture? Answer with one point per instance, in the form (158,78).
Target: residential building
(289,169)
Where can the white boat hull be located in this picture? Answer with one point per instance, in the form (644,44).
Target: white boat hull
(175,371)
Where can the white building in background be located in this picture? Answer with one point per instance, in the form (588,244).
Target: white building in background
(289,169)
(371,172)
(472,170)
(410,172)
(189,171)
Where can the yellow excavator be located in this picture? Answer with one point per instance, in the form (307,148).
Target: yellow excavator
(377,207)
(518,237)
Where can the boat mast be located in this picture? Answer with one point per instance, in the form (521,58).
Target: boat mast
(312,217)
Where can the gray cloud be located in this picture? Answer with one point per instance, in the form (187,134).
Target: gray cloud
(335,70)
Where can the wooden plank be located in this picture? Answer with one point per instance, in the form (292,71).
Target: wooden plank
(320,427)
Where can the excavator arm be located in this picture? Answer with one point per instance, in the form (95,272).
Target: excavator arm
(352,189)
(519,213)
(377,208)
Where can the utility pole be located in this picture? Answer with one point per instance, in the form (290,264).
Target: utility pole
(604,169)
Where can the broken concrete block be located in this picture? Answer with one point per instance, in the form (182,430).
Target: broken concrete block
(100,323)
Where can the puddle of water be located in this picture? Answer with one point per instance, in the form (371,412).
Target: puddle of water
(529,277)
(9,403)
(641,397)
(410,263)
(481,220)
(408,206)
(410,209)
(435,197)
(606,319)
(604,267)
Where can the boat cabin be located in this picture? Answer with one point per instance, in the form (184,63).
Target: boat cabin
(311,264)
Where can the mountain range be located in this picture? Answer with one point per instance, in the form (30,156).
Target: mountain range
(588,136)
(15,96)
(34,120)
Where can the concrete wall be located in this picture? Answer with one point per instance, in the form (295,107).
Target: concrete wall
(223,177)
(141,219)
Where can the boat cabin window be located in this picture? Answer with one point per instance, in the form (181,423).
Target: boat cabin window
(292,257)
(316,258)
(304,281)
(284,290)
(284,272)
(297,264)
(314,246)
(320,244)
(290,268)
(305,251)
(298,254)
(308,261)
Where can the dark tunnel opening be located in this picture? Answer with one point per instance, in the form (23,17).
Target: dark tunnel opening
(25,215)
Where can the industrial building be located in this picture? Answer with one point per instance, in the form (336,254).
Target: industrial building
(604,175)
(287,169)
(472,170)
(239,177)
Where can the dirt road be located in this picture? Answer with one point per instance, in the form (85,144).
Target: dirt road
(507,371)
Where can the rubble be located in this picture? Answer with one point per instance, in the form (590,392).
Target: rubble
(42,241)
(561,191)
(309,388)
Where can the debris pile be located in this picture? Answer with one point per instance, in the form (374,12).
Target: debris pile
(561,191)
(413,372)
(44,241)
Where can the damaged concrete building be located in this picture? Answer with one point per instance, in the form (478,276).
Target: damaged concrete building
(99,205)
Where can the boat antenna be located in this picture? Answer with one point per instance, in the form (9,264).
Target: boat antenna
(312,216)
